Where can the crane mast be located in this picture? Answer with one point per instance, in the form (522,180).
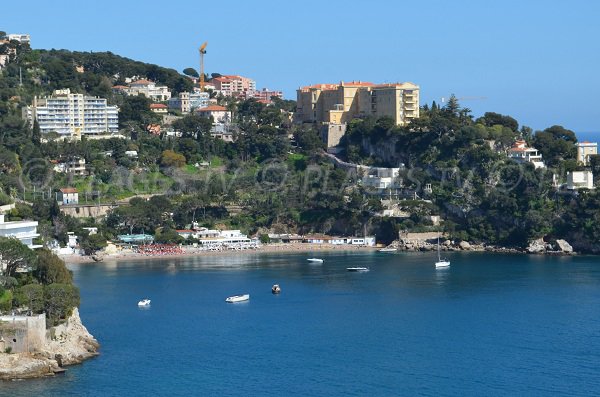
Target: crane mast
(202,50)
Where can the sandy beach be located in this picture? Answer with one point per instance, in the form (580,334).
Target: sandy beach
(189,252)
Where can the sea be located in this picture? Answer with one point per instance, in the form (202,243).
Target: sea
(490,324)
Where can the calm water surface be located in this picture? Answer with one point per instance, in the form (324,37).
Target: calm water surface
(488,325)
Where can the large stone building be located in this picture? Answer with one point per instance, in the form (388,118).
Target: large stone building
(330,105)
(73,115)
(187,102)
(585,150)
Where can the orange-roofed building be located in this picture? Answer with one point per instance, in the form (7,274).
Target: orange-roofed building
(219,114)
(234,85)
(522,153)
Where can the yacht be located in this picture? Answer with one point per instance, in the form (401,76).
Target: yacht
(357,269)
(238,298)
(144,302)
(315,260)
(441,262)
(388,249)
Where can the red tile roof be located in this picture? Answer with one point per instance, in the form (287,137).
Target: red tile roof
(143,82)
(213,108)
(68,190)
(158,106)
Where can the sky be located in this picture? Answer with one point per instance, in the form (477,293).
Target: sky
(536,61)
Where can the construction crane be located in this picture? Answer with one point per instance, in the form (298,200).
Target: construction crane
(202,50)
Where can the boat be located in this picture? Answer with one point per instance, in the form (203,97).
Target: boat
(315,260)
(357,269)
(275,289)
(238,298)
(441,262)
(388,249)
(144,302)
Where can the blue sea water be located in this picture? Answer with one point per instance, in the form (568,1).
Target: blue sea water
(489,325)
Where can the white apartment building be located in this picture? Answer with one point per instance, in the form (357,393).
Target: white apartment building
(21,38)
(219,114)
(24,231)
(73,115)
(187,102)
(158,93)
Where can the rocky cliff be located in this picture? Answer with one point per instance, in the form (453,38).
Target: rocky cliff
(66,344)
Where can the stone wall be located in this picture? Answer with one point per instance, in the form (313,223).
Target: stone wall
(23,333)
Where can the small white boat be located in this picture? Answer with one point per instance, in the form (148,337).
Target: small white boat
(388,250)
(275,289)
(315,260)
(144,302)
(357,269)
(238,298)
(441,262)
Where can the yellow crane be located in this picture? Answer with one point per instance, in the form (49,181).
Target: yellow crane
(202,52)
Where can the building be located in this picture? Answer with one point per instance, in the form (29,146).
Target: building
(219,114)
(380,178)
(333,106)
(21,38)
(159,108)
(580,180)
(523,154)
(586,149)
(218,239)
(266,96)
(67,195)
(340,103)
(234,85)
(73,115)
(158,93)
(4,59)
(324,239)
(24,231)
(76,166)
(187,102)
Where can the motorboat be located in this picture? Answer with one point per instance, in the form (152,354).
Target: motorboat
(144,303)
(441,262)
(238,298)
(315,260)
(357,269)
(388,249)
(275,289)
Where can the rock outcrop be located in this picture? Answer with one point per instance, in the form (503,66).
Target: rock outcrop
(66,344)
(71,340)
(536,246)
(564,247)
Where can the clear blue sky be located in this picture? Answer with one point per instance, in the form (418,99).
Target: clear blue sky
(537,61)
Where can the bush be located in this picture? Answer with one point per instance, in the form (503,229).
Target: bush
(59,301)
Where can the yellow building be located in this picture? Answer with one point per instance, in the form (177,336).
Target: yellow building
(585,150)
(340,103)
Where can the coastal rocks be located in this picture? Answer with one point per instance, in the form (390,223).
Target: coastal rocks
(25,365)
(464,245)
(539,246)
(71,341)
(564,246)
(536,246)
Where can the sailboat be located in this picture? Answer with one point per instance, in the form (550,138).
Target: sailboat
(441,262)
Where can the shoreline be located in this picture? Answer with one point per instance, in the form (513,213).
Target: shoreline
(194,252)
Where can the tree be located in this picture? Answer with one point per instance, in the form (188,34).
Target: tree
(15,255)
(32,296)
(556,144)
(171,159)
(51,269)
(92,243)
(191,72)
(59,301)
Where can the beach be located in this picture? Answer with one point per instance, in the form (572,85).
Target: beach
(187,252)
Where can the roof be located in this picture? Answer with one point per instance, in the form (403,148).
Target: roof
(143,82)
(213,108)
(68,190)
(119,87)
(184,231)
(158,106)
